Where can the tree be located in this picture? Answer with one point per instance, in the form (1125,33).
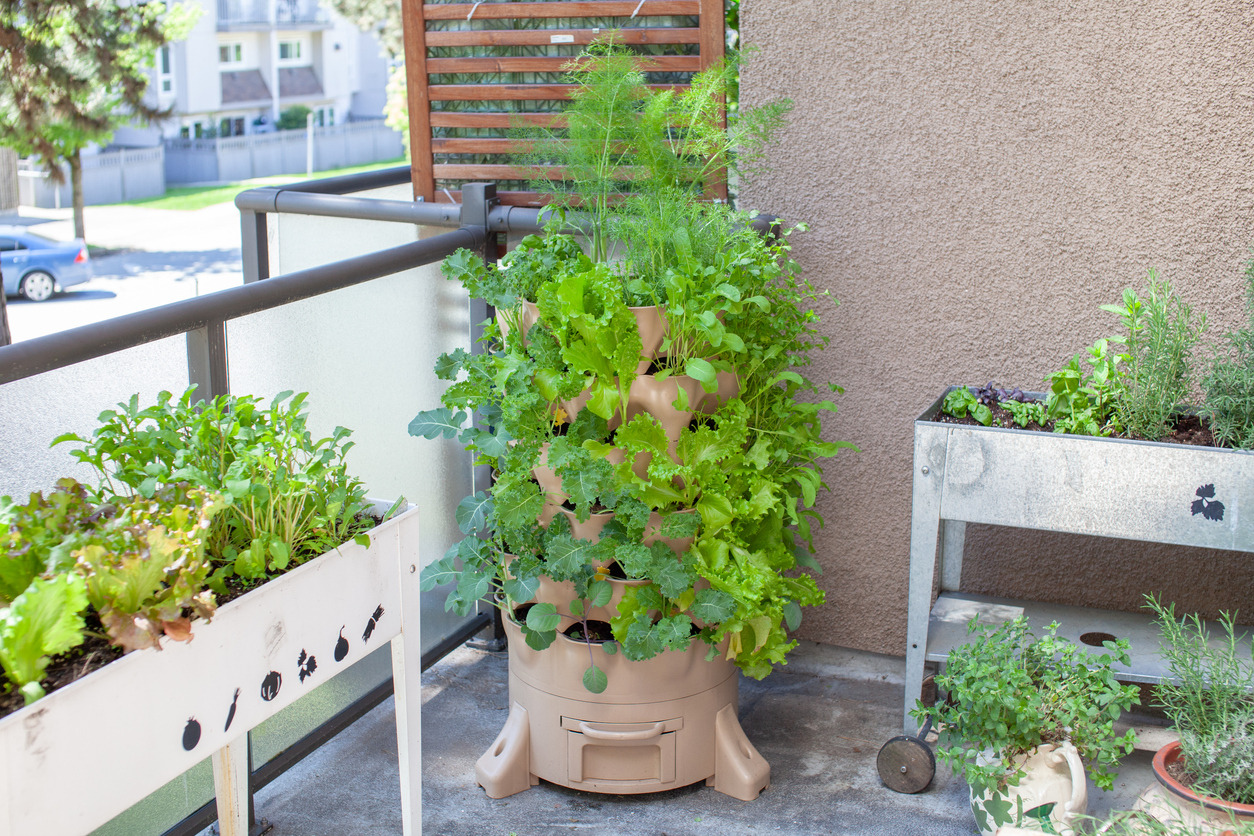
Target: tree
(72,71)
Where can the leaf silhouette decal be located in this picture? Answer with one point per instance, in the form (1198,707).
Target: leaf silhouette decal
(1210,508)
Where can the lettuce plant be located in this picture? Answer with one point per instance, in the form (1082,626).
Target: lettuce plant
(138,562)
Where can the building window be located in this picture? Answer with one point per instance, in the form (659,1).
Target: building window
(289,50)
(165,70)
(324,117)
(230,53)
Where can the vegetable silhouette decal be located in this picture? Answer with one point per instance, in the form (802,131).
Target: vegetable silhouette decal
(270,685)
(1208,506)
(191,734)
(341,646)
(306,665)
(230,715)
(370,625)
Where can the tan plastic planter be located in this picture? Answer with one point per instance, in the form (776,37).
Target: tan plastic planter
(663,723)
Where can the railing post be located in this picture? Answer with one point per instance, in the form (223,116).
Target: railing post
(206,360)
(5,337)
(256,245)
(478,199)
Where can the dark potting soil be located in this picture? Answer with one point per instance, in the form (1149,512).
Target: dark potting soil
(597,631)
(91,655)
(1189,429)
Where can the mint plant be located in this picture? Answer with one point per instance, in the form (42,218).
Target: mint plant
(1009,691)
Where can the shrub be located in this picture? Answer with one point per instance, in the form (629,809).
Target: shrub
(294,118)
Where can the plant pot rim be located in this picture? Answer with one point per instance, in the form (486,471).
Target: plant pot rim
(1171,753)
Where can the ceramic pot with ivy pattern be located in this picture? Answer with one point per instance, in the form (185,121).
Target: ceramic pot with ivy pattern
(1049,797)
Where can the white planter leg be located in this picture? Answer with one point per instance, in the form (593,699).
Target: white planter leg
(230,784)
(407,685)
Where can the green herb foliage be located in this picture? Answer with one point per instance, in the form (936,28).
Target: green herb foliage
(1082,400)
(288,495)
(1229,384)
(1162,332)
(1209,697)
(1010,691)
(716,518)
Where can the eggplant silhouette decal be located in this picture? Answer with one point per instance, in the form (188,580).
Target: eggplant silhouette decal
(230,715)
(270,685)
(1209,507)
(191,734)
(306,665)
(370,625)
(341,646)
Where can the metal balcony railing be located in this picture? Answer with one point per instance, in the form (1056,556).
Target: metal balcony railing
(50,371)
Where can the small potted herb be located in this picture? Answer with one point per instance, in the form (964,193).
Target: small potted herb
(1209,697)
(1024,717)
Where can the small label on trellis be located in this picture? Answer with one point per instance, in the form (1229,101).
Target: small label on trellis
(561,39)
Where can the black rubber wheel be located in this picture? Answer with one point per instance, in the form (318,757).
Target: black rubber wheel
(906,764)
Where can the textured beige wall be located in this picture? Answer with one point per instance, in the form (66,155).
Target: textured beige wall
(979,177)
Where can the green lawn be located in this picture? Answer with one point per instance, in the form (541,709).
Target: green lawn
(198,197)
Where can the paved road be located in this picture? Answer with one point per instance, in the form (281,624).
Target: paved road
(158,256)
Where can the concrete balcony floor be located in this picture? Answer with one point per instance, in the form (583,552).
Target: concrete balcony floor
(819,722)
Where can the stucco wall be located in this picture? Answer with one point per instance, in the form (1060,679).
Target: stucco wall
(979,177)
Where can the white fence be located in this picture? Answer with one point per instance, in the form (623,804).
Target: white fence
(284,152)
(108,177)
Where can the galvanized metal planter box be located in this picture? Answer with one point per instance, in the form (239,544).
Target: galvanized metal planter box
(1139,490)
(115,736)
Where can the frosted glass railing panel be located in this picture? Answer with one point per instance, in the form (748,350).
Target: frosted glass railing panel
(38,409)
(365,355)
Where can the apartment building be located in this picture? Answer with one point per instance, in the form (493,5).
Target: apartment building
(246,61)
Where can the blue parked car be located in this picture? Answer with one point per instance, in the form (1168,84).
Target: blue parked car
(37,267)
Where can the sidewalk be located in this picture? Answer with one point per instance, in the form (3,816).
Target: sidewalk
(122,227)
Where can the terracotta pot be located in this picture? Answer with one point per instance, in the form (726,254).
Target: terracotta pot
(1054,789)
(1171,801)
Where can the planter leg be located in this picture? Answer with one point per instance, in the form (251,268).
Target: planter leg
(739,771)
(505,769)
(925,535)
(230,785)
(407,685)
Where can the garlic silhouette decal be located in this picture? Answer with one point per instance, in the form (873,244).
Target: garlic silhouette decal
(341,646)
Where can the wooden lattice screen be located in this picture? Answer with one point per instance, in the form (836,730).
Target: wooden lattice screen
(476,70)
